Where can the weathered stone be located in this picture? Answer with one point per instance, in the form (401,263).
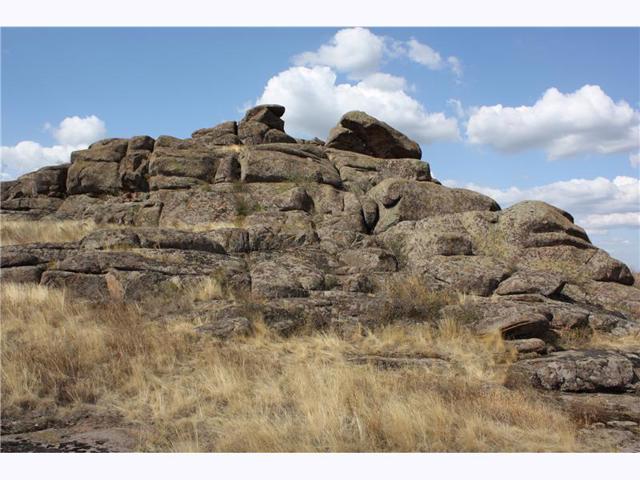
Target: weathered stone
(227,327)
(225,133)
(538,224)
(223,128)
(80,285)
(276,136)
(369,213)
(362,133)
(109,150)
(228,168)
(362,172)
(176,239)
(399,200)
(185,164)
(35,253)
(298,150)
(48,181)
(38,205)
(544,283)
(141,142)
(612,296)
(603,268)
(476,275)
(602,407)
(367,260)
(167,261)
(146,286)
(252,133)
(356,283)
(120,239)
(16,257)
(22,274)
(295,199)
(574,371)
(134,168)
(233,240)
(528,345)
(270,115)
(275,166)
(162,182)
(94,177)
(286,276)
(414,241)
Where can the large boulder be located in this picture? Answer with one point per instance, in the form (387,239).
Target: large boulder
(96,170)
(543,237)
(127,238)
(263,124)
(362,133)
(261,165)
(188,160)
(48,181)
(94,177)
(414,241)
(534,224)
(134,166)
(225,133)
(468,274)
(575,371)
(544,283)
(399,200)
(285,275)
(362,172)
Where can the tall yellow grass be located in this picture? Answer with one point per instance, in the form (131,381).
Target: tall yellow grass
(13,232)
(191,392)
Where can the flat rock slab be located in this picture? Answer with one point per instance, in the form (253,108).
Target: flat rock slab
(575,371)
(438,365)
(600,407)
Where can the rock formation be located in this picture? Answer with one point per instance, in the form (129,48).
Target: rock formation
(316,230)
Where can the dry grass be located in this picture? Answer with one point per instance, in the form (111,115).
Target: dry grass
(411,299)
(14,232)
(600,340)
(199,227)
(191,392)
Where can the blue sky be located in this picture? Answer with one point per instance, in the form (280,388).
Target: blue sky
(575,146)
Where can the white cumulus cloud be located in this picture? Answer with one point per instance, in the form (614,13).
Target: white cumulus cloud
(78,130)
(600,221)
(599,205)
(578,196)
(72,133)
(424,55)
(355,51)
(315,101)
(564,125)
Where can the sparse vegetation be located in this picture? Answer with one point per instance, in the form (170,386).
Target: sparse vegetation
(412,300)
(571,271)
(585,338)
(15,232)
(192,392)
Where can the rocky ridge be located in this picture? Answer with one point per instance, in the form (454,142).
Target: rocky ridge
(317,231)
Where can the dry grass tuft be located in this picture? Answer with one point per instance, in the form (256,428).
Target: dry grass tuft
(15,232)
(197,228)
(629,342)
(191,392)
(411,299)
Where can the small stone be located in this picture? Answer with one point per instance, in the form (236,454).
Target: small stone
(622,424)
